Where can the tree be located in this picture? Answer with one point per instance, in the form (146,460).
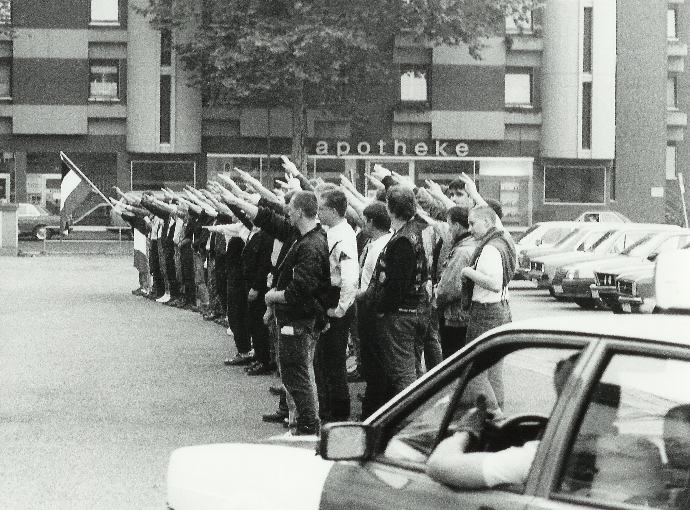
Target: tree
(315,53)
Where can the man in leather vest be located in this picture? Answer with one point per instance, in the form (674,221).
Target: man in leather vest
(400,293)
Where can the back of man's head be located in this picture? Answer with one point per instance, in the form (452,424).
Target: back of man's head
(401,202)
(306,202)
(323,187)
(459,215)
(486,213)
(456,185)
(336,200)
(378,214)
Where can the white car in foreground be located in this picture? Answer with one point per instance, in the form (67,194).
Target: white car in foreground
(617,436)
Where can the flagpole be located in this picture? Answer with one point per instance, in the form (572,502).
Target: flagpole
(74,167)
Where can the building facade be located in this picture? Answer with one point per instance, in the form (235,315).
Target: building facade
(583,108)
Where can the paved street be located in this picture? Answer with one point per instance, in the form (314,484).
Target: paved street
(97,387)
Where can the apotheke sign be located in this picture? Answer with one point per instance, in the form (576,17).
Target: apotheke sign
(396,148)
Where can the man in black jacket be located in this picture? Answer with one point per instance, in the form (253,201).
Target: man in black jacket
(298,293)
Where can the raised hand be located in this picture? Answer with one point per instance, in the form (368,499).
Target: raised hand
(289,166)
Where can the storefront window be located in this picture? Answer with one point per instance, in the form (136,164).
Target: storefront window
(574,185)
(154,175)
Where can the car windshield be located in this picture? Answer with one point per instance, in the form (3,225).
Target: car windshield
(642,247)
(601,245)
(569,236)
(526,236)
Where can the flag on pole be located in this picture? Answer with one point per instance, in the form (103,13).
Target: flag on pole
(75,188)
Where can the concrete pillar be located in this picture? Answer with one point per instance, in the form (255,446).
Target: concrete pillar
(9,230)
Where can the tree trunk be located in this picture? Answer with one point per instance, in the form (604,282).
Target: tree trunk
(299,130)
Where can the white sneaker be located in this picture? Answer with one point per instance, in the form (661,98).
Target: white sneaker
(164,298)
(229,332)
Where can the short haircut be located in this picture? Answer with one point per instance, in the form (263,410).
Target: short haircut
(484,212)
(305,201)
(381,195)
(335,199)
(378,214)
(459,215)
(496,206)
(321,188)
(401,202)
(456,185)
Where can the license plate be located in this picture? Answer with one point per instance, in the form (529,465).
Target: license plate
(595,293)
(558,289)
(626,307)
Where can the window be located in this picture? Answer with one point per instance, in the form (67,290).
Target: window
(518,91)
(5,78)
(497,376)
(672,92)
(104,81)
(574,185)
(154,175)
(414,84)
(632,442)
(5,11)
(105,12)
(671,24)
(587,115)
(587,40)
(671,172)
(166,47)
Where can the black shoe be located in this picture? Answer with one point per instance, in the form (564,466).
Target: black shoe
(173,303)
(275,390)
(277,417)
(223,321)
(260,369)
(191,307)
(251,365)
(211,316)
(239,359)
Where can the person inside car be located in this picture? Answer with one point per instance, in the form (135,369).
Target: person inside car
(452,464)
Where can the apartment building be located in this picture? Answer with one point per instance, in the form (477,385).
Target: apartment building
(583,108)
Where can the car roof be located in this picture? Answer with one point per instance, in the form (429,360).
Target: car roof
(660,328)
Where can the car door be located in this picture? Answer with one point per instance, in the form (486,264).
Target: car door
(516,369)
(624,442)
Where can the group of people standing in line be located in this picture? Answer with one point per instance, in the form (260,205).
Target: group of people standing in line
(299,274)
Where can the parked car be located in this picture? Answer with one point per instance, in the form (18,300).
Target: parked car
(579,278)
(605,275)
(545,270)
(545,233)
(34,220)
(635,291)
(616,436)
(580,238)
(600,216)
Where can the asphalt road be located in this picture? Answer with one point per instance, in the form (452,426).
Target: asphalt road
(97,387)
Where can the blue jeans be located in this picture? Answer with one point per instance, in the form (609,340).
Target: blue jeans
(296,344)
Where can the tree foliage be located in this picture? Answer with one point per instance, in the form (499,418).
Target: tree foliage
(315,53)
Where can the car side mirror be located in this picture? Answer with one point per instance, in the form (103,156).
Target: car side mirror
(344,441)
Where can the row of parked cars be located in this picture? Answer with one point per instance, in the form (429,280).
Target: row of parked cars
(598,265)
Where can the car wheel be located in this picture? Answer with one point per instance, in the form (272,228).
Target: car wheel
(41,232)
(553,295)
(587,303)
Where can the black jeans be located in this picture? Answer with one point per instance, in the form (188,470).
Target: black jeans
(331,370)
(237,314)
(372,355)
(257,330)
(452,339)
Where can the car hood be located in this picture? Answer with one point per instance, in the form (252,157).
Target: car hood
(613,264)
(561,259)
(236,476)
(640,273)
